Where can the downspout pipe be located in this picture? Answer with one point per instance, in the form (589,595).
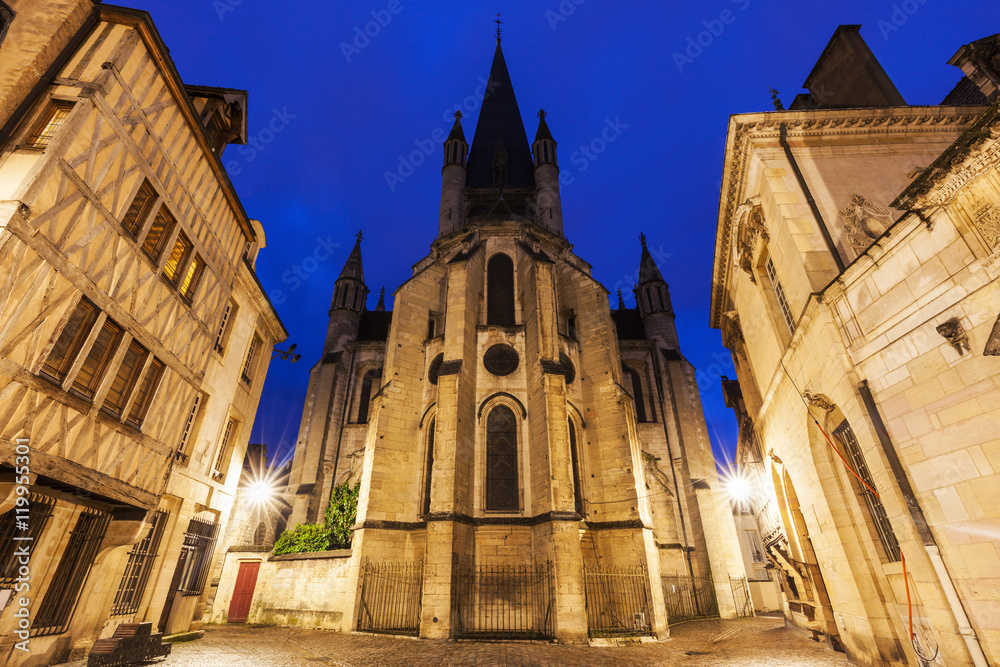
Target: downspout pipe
(831,246)
(930,544)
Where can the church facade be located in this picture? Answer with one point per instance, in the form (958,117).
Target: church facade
(503,418)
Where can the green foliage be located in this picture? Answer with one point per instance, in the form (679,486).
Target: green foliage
(333,533)
(304,537)
(341,514)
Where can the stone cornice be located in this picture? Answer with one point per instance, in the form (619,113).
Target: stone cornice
(746,130)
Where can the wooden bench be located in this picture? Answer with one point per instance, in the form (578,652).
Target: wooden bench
(131,644)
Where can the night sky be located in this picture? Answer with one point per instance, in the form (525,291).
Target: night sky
(334,110)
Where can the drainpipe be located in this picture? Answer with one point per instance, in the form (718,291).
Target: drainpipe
(783,140)
(930,545)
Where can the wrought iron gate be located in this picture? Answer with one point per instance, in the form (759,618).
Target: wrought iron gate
(505,602)
(689,597)
(741,596)
(390,597)
(617,600)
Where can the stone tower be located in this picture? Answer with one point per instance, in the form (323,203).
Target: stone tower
(512,418)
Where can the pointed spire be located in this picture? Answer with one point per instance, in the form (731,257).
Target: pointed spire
(543,127)
(352,267)
(456,129)
(621,301)
(648,271)
(500,115)
(380,308)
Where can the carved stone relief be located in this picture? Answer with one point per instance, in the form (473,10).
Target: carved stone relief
(818,401)
(864,222)
(750,229)
(954,333)
(988,222)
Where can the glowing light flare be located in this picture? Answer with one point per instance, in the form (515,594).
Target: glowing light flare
(737,486)
(260,492)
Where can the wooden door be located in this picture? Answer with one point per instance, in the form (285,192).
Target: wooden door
(246,579)
(175,583)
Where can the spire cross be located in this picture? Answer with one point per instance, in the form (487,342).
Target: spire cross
(499,23)
(458,115)
(360,236)
(642,239)
(542,113)
(381,293)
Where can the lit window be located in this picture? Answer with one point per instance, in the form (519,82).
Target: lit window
(144,395)
(125,379)
(139,209)
(191,278)
(70,341)
(178,256)
(159,234)
(47,129)
(97,360)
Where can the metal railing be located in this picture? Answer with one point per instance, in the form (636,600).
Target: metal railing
(741,596)
(505,602)
(769,522)
(617,600)
(689,597)
(390,597)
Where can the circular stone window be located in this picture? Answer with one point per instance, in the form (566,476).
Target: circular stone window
(568,370)
(501,360)
(432,372)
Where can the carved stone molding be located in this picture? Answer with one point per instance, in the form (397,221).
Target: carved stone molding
(993,343)
(750,229)
(818,401)
(864,222)
(988,222)
(732,331)
(954,333)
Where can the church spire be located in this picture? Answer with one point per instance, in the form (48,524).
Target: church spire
(652,297)
(380,308)
(648,271)
(500,115)
(352,267)
(350,291)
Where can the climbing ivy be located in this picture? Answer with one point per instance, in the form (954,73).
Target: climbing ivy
(335,531)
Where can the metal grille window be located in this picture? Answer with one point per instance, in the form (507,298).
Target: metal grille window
(59,602)
(97,360)
(500,291)
(251,361)
(21,529)
(221,338)
(144,395)
(779,293)
(70,341)
(140,565)
(199,541)
(364,400)
(876,511)
(158,234)
(125,379)
(222,459)
(139,209)
(501,460)
(47,129)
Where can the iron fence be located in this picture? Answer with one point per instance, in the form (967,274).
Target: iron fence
(617,600)
(390,597)
(689,597)
(505,602)
(741,596)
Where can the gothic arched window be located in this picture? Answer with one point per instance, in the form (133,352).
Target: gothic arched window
(366,393)
(501,460)
(500,291)
(429,469)
(577,491)
(260,534)
(640,405)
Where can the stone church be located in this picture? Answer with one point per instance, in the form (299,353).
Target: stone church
(503,419)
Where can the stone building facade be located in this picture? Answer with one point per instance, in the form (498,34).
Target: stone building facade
(502,414)
(134,335)
(856,284)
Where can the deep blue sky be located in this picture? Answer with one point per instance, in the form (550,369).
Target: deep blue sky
(342,125)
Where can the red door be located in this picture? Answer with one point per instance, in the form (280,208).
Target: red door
(246,579)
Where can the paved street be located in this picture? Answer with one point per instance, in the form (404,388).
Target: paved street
(756,642)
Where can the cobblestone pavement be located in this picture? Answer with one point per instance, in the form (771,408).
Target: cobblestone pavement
(754,642)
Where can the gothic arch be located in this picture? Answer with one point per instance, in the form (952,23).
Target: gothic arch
(368,381)
(427,438)
(501,456)
(576,461)
(500,300)
(505,396)
(636,381)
